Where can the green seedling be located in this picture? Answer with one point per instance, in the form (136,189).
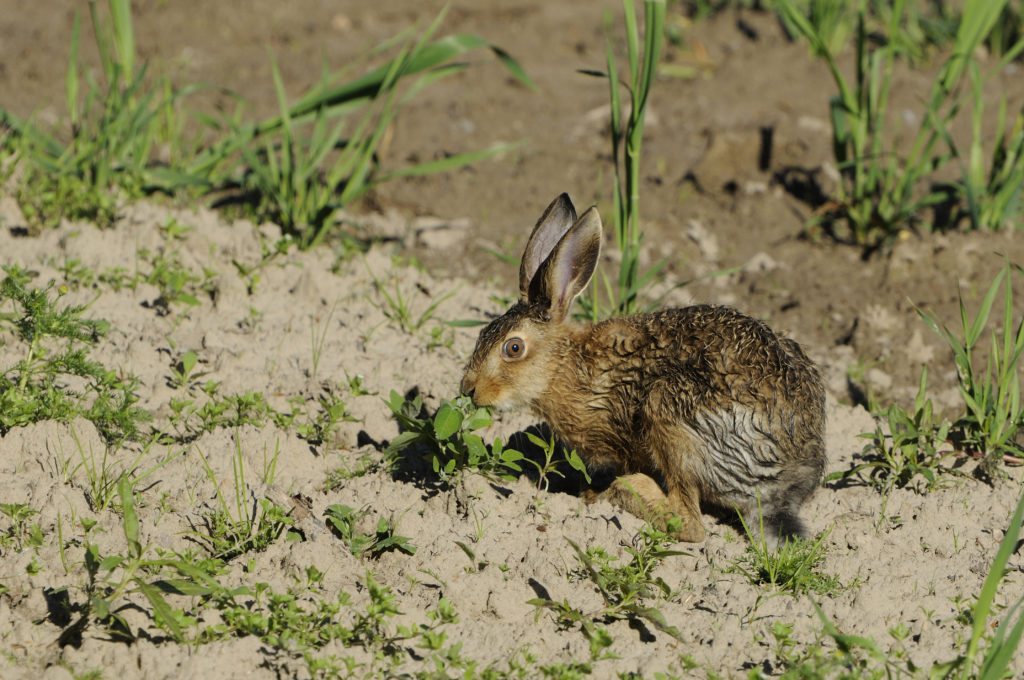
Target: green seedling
(623,296)
(397,305)
(790,567)
(320,427)
(624,587)
(19,533)
(338,477)
(114,577)
(449,440)
(239,528)
(56,342)
(342,519)
(912,454)
(551,466)
(182,374)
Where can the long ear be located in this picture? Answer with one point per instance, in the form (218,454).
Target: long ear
(551,226)
(570,267)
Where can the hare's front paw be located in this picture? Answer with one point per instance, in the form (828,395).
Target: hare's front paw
(640,495)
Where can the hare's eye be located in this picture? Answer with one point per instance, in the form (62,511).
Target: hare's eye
(513,348)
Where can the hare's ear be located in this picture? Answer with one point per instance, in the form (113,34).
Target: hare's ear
(570,267)
(551,226)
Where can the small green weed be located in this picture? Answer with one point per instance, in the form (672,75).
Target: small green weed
(114,577)
(342,519)
(789,567)
(550,465)
(397,305)
(911,454)
(181,374)
(624,587)
(449,438)
(338,477)
(20,533)
(56,380)
(233,531)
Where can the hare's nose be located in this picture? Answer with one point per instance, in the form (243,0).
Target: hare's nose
(468,385)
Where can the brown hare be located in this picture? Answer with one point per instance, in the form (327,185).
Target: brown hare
(691,405)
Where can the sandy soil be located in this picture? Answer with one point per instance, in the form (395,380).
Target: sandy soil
(911,559)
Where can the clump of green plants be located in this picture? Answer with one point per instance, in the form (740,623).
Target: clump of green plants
(448,441)
(626,587)
(55,379)
(241,527)
(113,578)
(912,454)
(879,192)
(299,620)
(992,397)
(115,131)
(790,567)
(297,168)
(343,519)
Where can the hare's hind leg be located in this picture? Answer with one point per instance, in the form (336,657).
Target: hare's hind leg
(642,496)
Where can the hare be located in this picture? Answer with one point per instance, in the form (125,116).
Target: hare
(691,405)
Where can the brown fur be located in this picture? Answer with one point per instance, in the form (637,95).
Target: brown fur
(706,399)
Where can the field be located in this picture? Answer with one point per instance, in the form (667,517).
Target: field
(241,472)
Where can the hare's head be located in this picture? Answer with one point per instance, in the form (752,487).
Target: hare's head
(518,354)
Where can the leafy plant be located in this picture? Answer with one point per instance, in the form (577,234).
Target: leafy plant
(992,396)
(55,379)
(623,295)
(449,438)
(912,449)
(625,587)
(343,519)
(114,577)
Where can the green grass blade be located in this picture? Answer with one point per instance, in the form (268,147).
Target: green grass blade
(124,36)
(983,607)
(448,163)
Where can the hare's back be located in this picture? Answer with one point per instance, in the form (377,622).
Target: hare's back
(726,352)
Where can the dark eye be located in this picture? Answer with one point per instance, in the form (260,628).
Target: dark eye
(513,348)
